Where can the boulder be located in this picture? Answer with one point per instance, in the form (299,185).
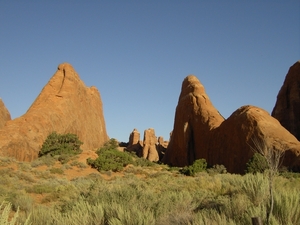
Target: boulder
(195,117)
(150,144)
(201,132)
(4,114)
(65,105)
(287,107)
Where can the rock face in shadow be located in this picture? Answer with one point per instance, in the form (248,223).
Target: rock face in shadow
(201,132)
(65,105)
(195,117)
(287,107)
(4,114)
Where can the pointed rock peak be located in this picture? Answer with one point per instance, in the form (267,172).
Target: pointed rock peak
(65,66)
(65,105)
(4,114)
(192,84)
(68,71)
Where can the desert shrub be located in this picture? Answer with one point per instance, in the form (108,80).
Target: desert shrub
(256,164)
(78,164)
(61,144)
(111,159)
(217,169)
(56,171)
(112,144)
(255,186)
(199,165)
(5,215)
(286,207)
(40,189)
(142,162)
(43,160)
(22,201)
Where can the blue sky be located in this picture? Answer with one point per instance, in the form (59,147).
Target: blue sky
(137,53)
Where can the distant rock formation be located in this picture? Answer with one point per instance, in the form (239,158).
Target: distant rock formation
(4,114)
(65,105)
(287,107)
(201,132)
(135,144)
(151,148)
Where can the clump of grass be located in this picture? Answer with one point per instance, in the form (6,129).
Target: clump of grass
(44,160)
(78,164)
(55,170)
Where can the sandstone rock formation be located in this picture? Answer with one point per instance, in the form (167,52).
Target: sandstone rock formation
(135,144)
(195,117)
(65,105)
(230,144)
(150,143)
(287,107)
(201,132)
(4,114)
(150,148)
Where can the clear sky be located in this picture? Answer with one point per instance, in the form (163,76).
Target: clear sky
(137,53)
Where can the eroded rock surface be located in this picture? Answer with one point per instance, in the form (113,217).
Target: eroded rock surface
(287,107)
(65,105)
(201,132)
(195,117)
(149,145)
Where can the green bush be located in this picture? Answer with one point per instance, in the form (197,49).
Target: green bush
(217,169)
(112,144)
(61,144)
(257,164)
(110,158)
(199,165)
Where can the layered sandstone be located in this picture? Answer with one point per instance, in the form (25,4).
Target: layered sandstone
(4,114)
(201,132)
(287,107)
(65,105)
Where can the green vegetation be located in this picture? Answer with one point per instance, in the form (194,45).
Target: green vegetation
(257,164)
(110,158)
(62,145)
(199,165)
(143,193)
(147,195)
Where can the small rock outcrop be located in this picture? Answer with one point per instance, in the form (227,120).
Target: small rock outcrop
(287,107)
(149,146)
(65,105)
(135,144)
(195,117)
(201,132)
(4,114)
